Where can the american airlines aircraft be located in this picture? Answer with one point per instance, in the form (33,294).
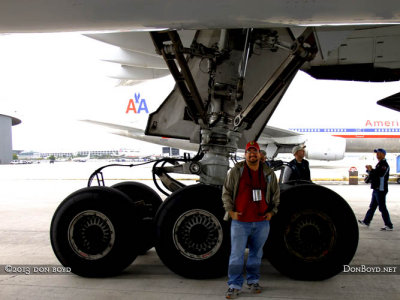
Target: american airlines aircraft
(373,127)
(232,62)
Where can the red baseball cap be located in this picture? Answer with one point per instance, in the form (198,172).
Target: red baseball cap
(252,144)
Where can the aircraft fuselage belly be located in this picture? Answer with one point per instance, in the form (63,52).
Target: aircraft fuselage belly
(121,15)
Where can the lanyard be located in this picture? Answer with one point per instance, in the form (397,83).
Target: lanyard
(259,177)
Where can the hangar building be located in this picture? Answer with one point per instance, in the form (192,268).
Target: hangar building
(6,137)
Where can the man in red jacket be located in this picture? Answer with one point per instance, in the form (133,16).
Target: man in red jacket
(251,197)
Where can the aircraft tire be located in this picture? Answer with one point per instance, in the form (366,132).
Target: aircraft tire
(314,234)
(148,203)
(193,240)
(93,232)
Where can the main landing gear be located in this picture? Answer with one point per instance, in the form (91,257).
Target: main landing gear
(99,231)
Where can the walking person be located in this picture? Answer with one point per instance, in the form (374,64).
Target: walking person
(379,178)
(250,196)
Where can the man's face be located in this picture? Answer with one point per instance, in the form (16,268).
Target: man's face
(252,156)
(380,155)
(300,154)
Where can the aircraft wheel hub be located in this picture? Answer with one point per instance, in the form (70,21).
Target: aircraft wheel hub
(310,235)
(91,235)
(197,234)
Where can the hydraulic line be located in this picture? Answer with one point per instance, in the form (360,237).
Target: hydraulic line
(98,173)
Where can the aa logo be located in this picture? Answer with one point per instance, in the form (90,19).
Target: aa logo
(140,105)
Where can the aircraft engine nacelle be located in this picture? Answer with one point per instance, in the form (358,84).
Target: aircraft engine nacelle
(325,148)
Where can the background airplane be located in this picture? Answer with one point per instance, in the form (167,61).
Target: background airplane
(360,130)
(82,159)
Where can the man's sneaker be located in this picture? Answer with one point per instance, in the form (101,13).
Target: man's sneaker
(386,228)
(232,293)
(363,223)
(255,288)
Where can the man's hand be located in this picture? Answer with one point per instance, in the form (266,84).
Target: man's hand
(234,214)
(369,167)
(268,216)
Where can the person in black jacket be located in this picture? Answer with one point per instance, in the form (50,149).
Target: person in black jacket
(299,168)
(379,178)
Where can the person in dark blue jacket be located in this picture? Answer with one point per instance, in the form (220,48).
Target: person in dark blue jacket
(379,178)
(298,168)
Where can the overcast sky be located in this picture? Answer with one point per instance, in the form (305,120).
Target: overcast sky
(50,81)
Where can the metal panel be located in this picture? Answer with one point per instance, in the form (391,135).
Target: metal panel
(357,51)
(387,49)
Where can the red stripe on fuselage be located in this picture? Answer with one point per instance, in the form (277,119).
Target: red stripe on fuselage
(360,136)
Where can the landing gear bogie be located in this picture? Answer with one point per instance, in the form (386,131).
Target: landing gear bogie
(99,231)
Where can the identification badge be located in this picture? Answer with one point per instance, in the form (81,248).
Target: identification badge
(257,196)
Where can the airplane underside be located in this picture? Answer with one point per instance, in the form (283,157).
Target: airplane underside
(228,84)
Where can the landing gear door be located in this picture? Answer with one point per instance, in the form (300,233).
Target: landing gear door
(173,118)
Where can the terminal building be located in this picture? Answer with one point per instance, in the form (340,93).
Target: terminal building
(6,122)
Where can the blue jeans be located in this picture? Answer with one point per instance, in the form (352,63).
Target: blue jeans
(378,200)
(253,234)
